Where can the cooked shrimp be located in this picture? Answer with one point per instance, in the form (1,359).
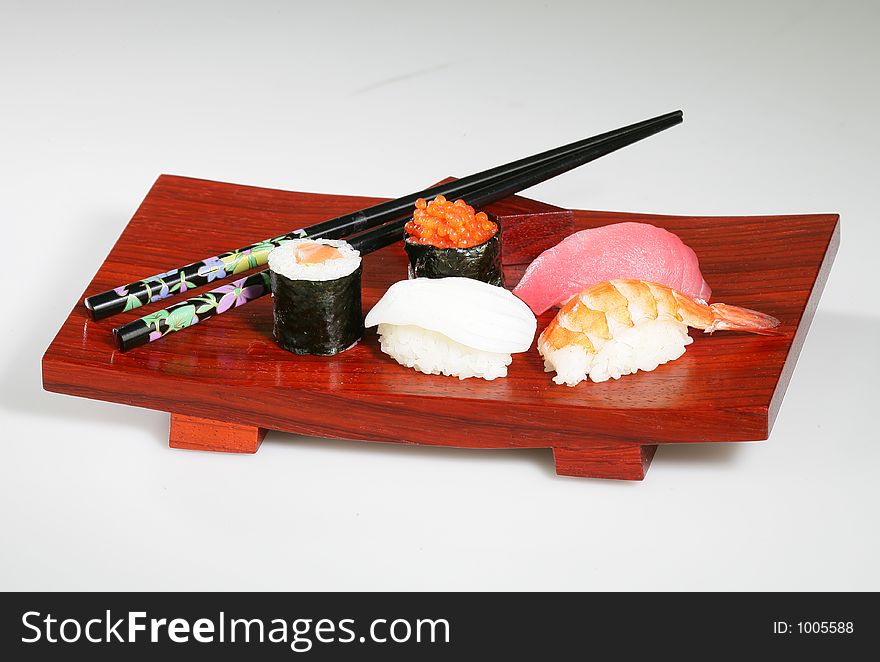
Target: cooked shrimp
(621,326)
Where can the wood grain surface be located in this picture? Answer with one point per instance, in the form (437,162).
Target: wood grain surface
(199,434)
(612,459)
(727,387)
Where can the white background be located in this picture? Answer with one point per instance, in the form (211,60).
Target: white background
(96,99)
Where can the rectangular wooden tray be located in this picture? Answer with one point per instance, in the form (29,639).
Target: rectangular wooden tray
(225,382)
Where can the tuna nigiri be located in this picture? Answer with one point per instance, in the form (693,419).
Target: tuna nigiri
(618,327)
(620,250)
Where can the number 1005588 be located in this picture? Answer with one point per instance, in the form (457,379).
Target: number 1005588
(825,627)
(814,627)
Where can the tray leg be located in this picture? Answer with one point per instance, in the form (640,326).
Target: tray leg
(614,460)
(202,434)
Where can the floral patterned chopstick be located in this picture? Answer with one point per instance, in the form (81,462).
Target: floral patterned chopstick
(177,281)
(182,315)
(192,311)
(231,263)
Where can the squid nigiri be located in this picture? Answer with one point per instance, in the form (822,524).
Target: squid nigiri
(618,327)
(452,326)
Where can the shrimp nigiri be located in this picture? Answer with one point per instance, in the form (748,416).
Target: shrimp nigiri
(621,326)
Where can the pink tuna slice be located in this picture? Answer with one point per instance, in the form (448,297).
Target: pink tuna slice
(620,250)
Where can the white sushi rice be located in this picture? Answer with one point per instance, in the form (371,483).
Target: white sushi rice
(645,346)
(282,260)
(433,353)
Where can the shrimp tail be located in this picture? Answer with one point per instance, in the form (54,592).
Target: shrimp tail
(734,318)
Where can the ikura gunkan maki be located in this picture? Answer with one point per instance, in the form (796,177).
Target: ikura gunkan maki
(448,239)
(316,296)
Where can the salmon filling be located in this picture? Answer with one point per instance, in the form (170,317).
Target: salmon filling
(316,253)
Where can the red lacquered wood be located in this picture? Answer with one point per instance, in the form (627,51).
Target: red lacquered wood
(727,387)
(200,434)
(623,461)
(528,228)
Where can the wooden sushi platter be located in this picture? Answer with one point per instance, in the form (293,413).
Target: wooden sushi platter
(225,382)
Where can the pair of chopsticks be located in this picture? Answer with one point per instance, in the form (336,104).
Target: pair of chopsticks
(379,226)
(214,302)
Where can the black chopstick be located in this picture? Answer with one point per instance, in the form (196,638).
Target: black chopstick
(134,295)
(219,300)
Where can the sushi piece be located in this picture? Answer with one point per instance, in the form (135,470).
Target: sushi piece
(448,239)
(452,326)
(620,250)
(618,327)
(316,296)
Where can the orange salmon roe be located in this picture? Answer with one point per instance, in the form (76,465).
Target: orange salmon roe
(447,224)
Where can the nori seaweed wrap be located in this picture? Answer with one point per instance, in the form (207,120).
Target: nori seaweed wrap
(312,316)
(480,262)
